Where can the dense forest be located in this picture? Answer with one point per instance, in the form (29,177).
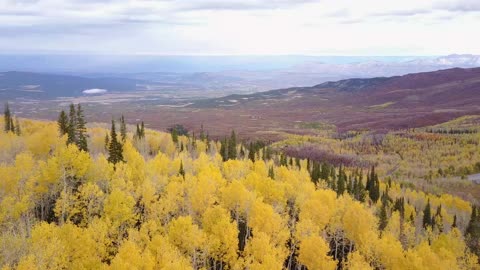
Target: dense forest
(93,196)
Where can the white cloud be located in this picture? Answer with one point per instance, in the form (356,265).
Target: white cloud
(371,27)
(94,91)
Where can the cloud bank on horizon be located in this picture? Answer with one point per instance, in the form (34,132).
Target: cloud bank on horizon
(176,27)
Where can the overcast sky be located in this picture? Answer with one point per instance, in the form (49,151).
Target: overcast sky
(211,27)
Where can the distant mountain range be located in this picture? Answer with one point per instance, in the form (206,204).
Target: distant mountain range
(381,68)
(15,84)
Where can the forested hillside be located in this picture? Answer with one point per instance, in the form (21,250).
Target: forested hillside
(135,198)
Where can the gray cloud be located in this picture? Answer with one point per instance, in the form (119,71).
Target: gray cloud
(240,5)
(459,5)
(403,13)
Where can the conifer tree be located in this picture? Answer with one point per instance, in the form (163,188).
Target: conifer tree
(324,171)
(72,124)
(427,215)
(341,182)
(251,152)
(138,132)
(181,171)
(224,149)
(63,123)
(454,224)
(373,185)
(268,153)
(194,140)
(232,146)
(271,173)
(315,172)
(368,185)
(173,133)
(123,129)
(9,125)
(115,148)
(142,129)
(81,130)
(207,139)
(7,116)
(472,232)
(383,217)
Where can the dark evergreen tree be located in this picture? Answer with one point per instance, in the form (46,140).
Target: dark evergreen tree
(315,172)
(115,148)
(81,130)
(341,181)
(207,139)
(473,231)
(271,173)
(251,152)
(7,116)
(373,185)
(232,146)
(360,191)
(174,134)
(194,140)
(368,184)
(325,171)
(268,153)
(224,149)
(427,216)
(138,132)
(142,129)
(283,160)
(399,206)
(383,217)
(181,171)
(9,125)
(72,125)
(63,123)
(454,224)
(123,128)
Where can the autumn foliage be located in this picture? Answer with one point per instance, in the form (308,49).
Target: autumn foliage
(64,208)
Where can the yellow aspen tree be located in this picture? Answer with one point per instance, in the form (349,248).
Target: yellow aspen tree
(313,254)
(221,235)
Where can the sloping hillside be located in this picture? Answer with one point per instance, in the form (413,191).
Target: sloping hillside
(412,100)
